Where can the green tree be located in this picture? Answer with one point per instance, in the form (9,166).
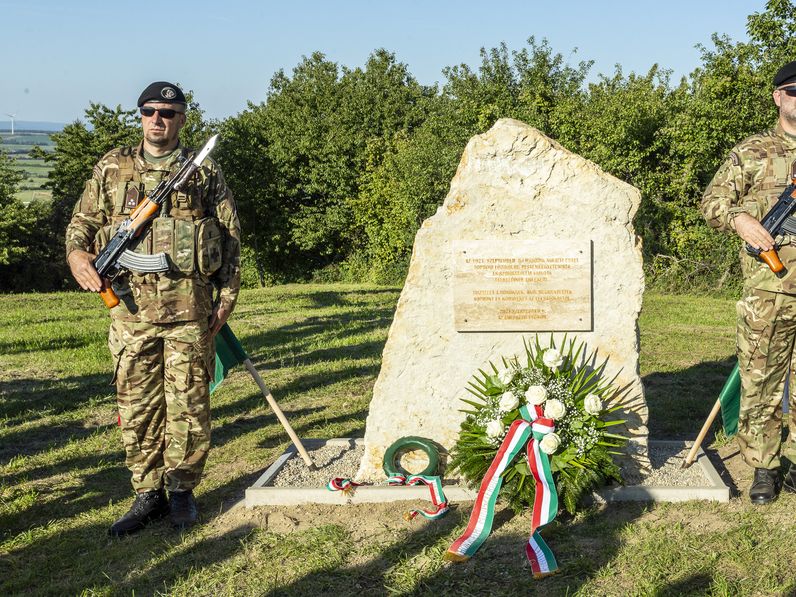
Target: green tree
(197,130)
(308,146)
(78,147)
(407,177)
(722,102)
(404,183)
(534,84)
(249,172)
(11,212)
(25,257)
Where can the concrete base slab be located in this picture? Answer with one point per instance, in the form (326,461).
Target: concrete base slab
(713,490)
(261,494)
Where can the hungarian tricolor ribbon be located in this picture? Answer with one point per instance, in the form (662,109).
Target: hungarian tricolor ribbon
(347,486)
(434,484)
(529,432)
(545,502)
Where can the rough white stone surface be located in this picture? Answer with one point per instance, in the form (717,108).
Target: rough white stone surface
(512,183)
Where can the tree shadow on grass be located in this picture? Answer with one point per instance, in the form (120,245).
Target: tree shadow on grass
(67,500)
(223,434)
(300,340)
(38,397)
(38,439)
(85,559)
(582,549)
(289,392)
(696,584)
(50,396)
(110,563)
(53,343)
(29,399)
(679,402)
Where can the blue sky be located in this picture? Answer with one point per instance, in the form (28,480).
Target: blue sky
(57,56)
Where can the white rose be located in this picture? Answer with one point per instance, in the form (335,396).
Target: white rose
(536,395)
(592,404)
(552,358)
(494,428)
(550,443)
(506,376)
(508,401)
(554,409)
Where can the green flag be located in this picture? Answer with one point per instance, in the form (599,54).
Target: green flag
(229,353)
(730,399)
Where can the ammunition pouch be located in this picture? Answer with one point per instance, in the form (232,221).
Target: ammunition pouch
(191,246)
(175,238)
(209,245)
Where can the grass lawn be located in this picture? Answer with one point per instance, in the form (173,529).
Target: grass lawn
(62,479)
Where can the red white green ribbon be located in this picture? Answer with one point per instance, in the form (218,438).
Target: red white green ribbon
(483,514)
(347,486)
(545,503)
(521,432)
(434,484)
(396,479)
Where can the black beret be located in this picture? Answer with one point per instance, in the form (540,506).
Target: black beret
(163,92)
(787,74)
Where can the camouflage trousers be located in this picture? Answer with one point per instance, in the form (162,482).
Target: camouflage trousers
(162,388)
(765,340)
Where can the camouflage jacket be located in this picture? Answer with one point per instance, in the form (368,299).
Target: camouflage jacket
(197,228)
(751,180)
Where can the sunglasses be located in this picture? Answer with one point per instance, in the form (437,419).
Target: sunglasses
(789,91)
(166,113)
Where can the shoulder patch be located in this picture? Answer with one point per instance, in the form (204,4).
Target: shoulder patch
(735,159)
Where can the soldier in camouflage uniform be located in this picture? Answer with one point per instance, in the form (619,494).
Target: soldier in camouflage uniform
(161,334)
(743,190)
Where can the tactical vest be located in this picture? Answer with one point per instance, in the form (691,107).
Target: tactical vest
(185,229)
(775,174)
(777,166)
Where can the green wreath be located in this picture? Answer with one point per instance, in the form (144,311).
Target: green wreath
(391,464)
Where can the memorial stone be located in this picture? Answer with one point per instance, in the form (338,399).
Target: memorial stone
(530,239)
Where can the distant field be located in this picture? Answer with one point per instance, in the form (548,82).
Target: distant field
(18,146)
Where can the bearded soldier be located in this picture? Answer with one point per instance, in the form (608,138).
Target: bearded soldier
(745,187)
(161,334)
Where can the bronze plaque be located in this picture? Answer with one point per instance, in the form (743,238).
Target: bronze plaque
(537,285)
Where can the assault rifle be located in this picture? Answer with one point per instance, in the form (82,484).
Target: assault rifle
(778,221)
(116,256)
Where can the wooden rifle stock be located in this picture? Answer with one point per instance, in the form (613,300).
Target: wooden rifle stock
(774,222)
(108,295)
(772,260)
(145,211)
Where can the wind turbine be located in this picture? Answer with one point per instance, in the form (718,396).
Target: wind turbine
(12,116)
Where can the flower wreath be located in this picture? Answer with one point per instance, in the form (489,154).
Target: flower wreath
(571,391)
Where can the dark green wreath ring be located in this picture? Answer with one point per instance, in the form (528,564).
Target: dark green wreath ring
(391,465)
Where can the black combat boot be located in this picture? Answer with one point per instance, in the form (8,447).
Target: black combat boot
(789,484)
(765,487)
(183,511)
(148,506)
